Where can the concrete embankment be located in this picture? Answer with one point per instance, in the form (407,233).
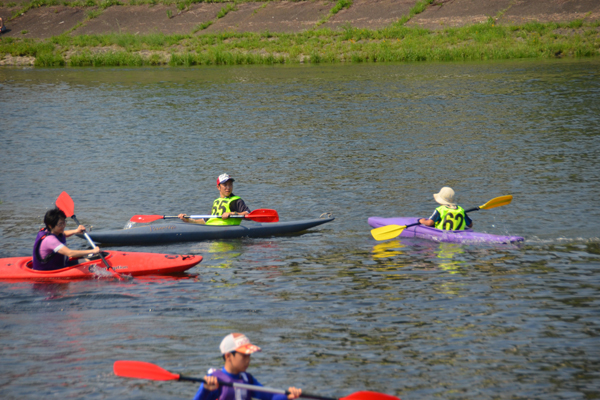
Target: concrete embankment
(44,19)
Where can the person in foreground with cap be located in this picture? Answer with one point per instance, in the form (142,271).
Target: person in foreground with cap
(236,350)
(226,205)
(449,216)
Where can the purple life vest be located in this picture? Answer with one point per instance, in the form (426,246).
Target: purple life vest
(228,392)
(54,260)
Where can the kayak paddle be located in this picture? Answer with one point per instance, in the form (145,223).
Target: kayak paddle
(260,215)
(146,370)
(391,231)
(66,204)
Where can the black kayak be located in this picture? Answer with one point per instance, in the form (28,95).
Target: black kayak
(186,232)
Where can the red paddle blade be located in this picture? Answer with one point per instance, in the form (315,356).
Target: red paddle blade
(143,370)
(263,215)
(143,219)
(65,203)
(365,395)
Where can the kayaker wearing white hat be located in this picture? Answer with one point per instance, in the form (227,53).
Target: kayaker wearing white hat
(449,216)
(236,350)
(227,204)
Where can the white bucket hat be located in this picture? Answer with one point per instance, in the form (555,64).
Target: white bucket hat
(445,197)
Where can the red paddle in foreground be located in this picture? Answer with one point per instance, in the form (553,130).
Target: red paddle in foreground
(146,370)
(66,204)
(260,215)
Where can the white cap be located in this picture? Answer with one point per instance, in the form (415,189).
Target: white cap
(237,342)
(224,178)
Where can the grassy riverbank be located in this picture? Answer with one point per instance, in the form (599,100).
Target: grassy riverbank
(397,42)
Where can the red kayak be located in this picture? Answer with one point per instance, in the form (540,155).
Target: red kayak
(123,262)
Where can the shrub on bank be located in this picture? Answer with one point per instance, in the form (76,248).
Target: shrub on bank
(396,43)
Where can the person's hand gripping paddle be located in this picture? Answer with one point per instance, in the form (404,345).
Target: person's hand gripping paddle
(259,215)
(66,204)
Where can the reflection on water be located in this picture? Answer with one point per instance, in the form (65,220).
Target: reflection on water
(334,311)
(387,249)
(440,255)
(50,289)
(447,256)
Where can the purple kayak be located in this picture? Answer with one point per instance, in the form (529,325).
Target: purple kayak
(425,232)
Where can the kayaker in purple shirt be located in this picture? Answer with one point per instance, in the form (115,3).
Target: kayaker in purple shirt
(236,350)
(449,216)
(50,251)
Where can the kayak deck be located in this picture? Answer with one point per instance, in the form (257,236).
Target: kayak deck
(149,234)
(129,263)
(426,232)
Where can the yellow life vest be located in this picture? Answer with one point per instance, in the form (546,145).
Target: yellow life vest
(221,206)
(451,219)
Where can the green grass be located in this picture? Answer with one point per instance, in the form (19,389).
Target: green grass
(418,8)
(222,12)
(203,26)
(93,14)
(397,43)
(49,60)
(17,47)
(260,8)
(109,59)
(104,4)
(181,4)
(225,10)
(340,5)
(218,57)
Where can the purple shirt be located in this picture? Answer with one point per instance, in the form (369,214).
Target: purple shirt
(51,259)
(50,245)
(229,393)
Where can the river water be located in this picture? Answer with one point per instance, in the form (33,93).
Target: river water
(334,311)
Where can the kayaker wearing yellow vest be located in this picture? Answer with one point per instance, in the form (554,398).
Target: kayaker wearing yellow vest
(226,205)
(449,216)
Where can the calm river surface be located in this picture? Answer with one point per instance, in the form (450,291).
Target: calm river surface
(334,311)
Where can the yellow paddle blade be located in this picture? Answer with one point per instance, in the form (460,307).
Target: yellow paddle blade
(497,202)
(387,232)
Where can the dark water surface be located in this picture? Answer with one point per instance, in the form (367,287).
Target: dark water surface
(334,311)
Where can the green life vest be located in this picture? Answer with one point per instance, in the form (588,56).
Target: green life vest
(451,219)
(221,206)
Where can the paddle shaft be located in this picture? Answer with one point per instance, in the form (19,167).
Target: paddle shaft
(89,239)
(417,223)
(255,388)
(204,216)
(146,370)
(258,215)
